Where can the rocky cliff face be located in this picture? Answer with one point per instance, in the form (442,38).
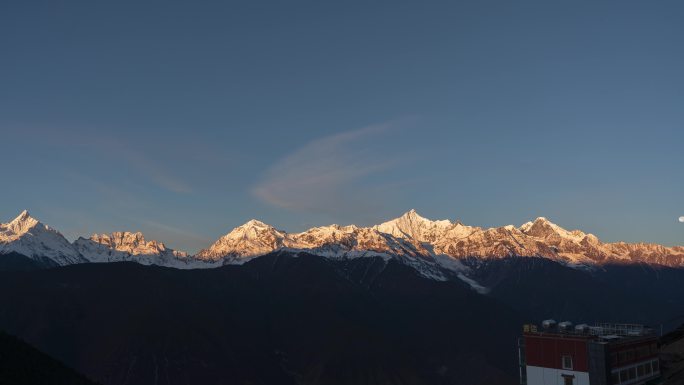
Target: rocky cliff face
(127,246)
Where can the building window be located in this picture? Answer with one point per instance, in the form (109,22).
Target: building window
(567,362)
(655,366)
(568,380)
(632,373)
(624,377)
(615,378)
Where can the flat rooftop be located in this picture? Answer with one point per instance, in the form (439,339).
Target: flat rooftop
(607,332)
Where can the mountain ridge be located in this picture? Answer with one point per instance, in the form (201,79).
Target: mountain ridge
(433,247)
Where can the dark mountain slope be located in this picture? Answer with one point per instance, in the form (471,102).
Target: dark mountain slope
(21,364)
(672,357)
(635,293)
(18,262)
(276,319)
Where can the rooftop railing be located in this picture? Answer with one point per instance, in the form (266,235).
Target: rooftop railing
(600,329)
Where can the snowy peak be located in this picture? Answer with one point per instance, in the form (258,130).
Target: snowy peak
(253,238)
(412,217)
(255,223)
(23,217)
(543,228)
(253,229)
(27,236)
(18,226)
(412,225)
(412,214)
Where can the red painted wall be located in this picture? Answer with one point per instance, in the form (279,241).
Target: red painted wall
(547,351)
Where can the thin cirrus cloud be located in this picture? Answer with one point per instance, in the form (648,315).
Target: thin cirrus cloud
(329,174)
(111,148)
(140,162)
(160,176)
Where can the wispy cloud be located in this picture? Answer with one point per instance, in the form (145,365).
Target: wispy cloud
(156,173)
(328,174)
(139,161)
(118,149)
(110,193)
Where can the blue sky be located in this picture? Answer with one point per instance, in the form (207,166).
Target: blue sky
(185,119)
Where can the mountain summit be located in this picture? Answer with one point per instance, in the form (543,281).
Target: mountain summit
(412,225)
(27,236)
(252,239)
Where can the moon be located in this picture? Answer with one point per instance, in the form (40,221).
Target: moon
(681,219)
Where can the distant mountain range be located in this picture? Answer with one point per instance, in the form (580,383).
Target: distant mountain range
(437,249)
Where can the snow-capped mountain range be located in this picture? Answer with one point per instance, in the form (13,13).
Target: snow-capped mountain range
(435,248)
